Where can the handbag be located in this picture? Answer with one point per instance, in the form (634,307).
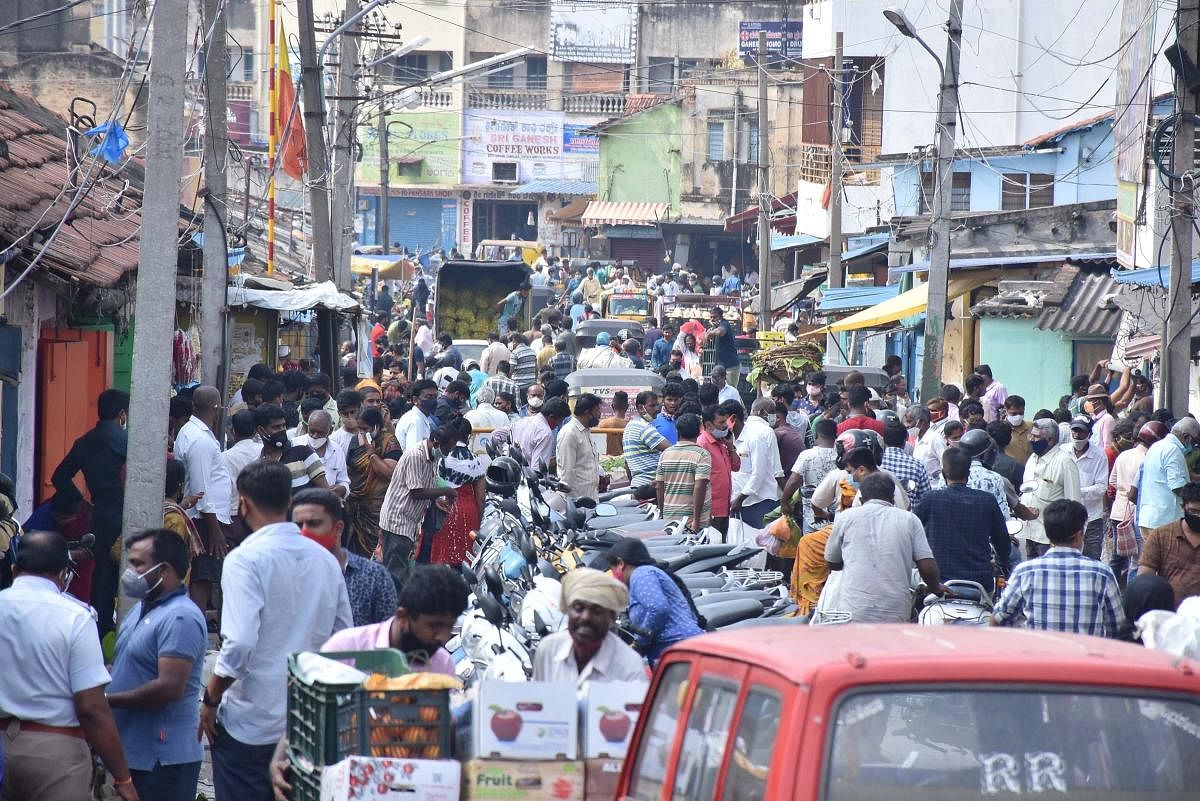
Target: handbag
(1125,539)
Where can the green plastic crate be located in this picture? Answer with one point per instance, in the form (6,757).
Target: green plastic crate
(313,708)
(305,779)
(402,724)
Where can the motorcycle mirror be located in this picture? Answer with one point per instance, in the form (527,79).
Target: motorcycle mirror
(469,575)
(511,506)
(514,450)
(86,541)
(492,609)
(606,510)
(490,447)
(493,582)
(528,550)
(561,487)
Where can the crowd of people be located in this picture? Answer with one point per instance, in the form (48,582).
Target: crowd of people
(300,518)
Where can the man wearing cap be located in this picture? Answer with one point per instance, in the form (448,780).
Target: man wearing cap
(588,650)
(1093,482)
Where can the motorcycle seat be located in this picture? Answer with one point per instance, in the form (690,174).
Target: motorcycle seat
(727,613)
(715,596)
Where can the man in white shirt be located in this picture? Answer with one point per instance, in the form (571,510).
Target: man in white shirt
(333,457)
(281,593)
(927,432)
(1092,464)
(495,352)
(587,650)
(415,425)
(757,485)
(207,477)
(52,701)
(724,391)
(534,433)
(1050,475)
(349,403)
(485,415)
(578,464)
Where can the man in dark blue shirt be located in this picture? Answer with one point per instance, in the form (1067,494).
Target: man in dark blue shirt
(722,333)
(660,352)
(963,525)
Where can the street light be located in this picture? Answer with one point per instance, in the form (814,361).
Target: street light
(939,224)
(403,50)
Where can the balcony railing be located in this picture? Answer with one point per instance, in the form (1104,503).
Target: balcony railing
(437,98)
(816,163)
(593,103)
(520,99)
(240,91)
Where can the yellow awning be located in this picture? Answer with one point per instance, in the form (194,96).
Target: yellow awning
(907,304)
(390,267)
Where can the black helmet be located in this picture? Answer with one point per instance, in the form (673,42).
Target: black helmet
(503,476)
(887,417)
(856,439)
(979,445)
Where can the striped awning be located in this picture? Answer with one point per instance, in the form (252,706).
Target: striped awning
(608,212)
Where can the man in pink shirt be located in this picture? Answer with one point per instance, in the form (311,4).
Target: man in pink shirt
(714,438)
(429,605)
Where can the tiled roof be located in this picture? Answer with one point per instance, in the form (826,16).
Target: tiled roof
(100,243)
(636,103)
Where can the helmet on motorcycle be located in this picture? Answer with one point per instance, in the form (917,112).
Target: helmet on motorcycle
(856,439)
(887,417)
(1151,432)
(979,445)
(503,476)
(623,334)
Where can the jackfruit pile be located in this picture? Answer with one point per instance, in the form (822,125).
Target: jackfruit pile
(468,310)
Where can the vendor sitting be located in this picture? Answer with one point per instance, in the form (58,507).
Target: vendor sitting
(588,650)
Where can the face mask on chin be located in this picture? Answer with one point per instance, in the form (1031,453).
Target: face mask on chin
(719,433)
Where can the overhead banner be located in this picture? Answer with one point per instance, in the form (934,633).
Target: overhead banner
(593,32)
(783,38)
(427,145)
(539,142)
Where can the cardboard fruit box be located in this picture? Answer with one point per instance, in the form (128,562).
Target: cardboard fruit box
(512,780)
(609,716)
(601,779)
(525,720)
(362,778)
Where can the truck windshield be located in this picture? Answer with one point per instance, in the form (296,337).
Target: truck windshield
(980,744)
(628,306)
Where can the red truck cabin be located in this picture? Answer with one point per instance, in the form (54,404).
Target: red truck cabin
(904,713)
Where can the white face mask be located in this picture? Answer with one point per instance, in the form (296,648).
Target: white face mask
(316,443)
(1015,420)
(1079,444)
(536,401)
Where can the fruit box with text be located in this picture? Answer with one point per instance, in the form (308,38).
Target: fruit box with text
(360,778)
(602,776)
(512,780)
(609,716)
(526,720)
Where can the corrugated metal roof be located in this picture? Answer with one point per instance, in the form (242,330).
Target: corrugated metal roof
(865,250)
(984,262)
(101,242)
(1087,309)
(853,298)
(785,242)
(1152,276)
(607,212)
(556,186)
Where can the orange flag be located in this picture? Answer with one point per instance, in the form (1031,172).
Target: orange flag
(293,153)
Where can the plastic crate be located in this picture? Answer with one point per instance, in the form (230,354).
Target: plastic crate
(403,724)
(305,780)
(314,709)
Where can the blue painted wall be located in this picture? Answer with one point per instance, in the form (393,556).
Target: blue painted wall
(1030,362)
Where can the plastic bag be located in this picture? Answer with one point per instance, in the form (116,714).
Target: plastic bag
(742,534)
(1175,633)
(780,537)
(1125,538)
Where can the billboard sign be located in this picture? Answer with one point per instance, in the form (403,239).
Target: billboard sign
(593,32)
(784,38)
(539,142)
(574,141)
(435,139)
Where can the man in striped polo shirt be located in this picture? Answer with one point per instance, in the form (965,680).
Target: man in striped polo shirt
(681,481)
(642,445)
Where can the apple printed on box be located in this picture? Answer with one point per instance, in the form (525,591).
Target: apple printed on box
(362,778)
(610,713)
(526,720)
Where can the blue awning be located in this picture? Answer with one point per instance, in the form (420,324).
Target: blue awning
(853,298)
(787,242)
(556,186)
(235,256)
(865,250)
(984,262)
(1152,276)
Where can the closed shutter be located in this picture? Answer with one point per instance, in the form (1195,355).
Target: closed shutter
(10,378)
(646,252)
(415,222)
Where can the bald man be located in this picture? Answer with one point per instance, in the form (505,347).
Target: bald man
(320,426)
(198,449)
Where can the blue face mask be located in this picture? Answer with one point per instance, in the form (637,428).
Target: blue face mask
(851,480)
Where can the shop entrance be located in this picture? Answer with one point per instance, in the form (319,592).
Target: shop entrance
(505,219)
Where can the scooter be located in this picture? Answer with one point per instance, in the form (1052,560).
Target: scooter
(970,605)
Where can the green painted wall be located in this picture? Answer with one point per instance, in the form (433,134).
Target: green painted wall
(1030,362)
(640,160)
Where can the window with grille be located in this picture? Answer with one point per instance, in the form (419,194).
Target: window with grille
(410,68)
(660,76)
(535,72)
(716,140)
(752,142)
(960,192)
(1026,190)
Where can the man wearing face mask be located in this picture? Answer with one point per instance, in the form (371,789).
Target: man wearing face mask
(1050,475)
(302,462)
(415,425)
(100,456)
(412,488)
(1164,474)
(1014,415)
(578,463)
(642,444)
(925,424)
(156,674)
(714,438)
(332,457)
(1092,465)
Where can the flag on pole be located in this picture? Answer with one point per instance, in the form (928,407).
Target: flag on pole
(293,154)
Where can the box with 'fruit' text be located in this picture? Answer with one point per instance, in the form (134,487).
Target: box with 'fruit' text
(360,778)
(526,720)
(511,780)
(609,716)
(602,777)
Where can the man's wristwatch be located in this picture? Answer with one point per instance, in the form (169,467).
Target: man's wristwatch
(208,701)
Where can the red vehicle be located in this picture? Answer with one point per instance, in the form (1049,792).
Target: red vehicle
(900,713)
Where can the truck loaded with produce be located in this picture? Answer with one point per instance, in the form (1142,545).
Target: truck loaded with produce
(468,293)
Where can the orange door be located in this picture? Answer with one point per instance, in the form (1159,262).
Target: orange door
(62,406)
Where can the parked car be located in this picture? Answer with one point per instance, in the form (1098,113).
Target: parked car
(857,713)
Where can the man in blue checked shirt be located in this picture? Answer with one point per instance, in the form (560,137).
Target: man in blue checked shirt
(1063,590)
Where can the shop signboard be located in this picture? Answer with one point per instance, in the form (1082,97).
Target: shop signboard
(593,31)
(784,37)
(538,142)
(435,138)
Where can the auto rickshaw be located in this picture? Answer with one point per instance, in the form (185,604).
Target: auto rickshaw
(587,330)
(632,305)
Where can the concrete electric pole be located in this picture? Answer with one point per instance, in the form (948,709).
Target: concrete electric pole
(764,192)
(385,189)
(216,161)
(158,253)
(1177,344)
(341,210)
(837,277)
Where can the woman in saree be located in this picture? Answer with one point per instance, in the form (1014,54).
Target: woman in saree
(370,459)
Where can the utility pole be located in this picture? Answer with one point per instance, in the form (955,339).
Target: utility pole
(837,278)
(216,144)
(313,92)
(939,226)
(764,192)
(1176,348)
(342,201)
(158,251)
(385,220)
